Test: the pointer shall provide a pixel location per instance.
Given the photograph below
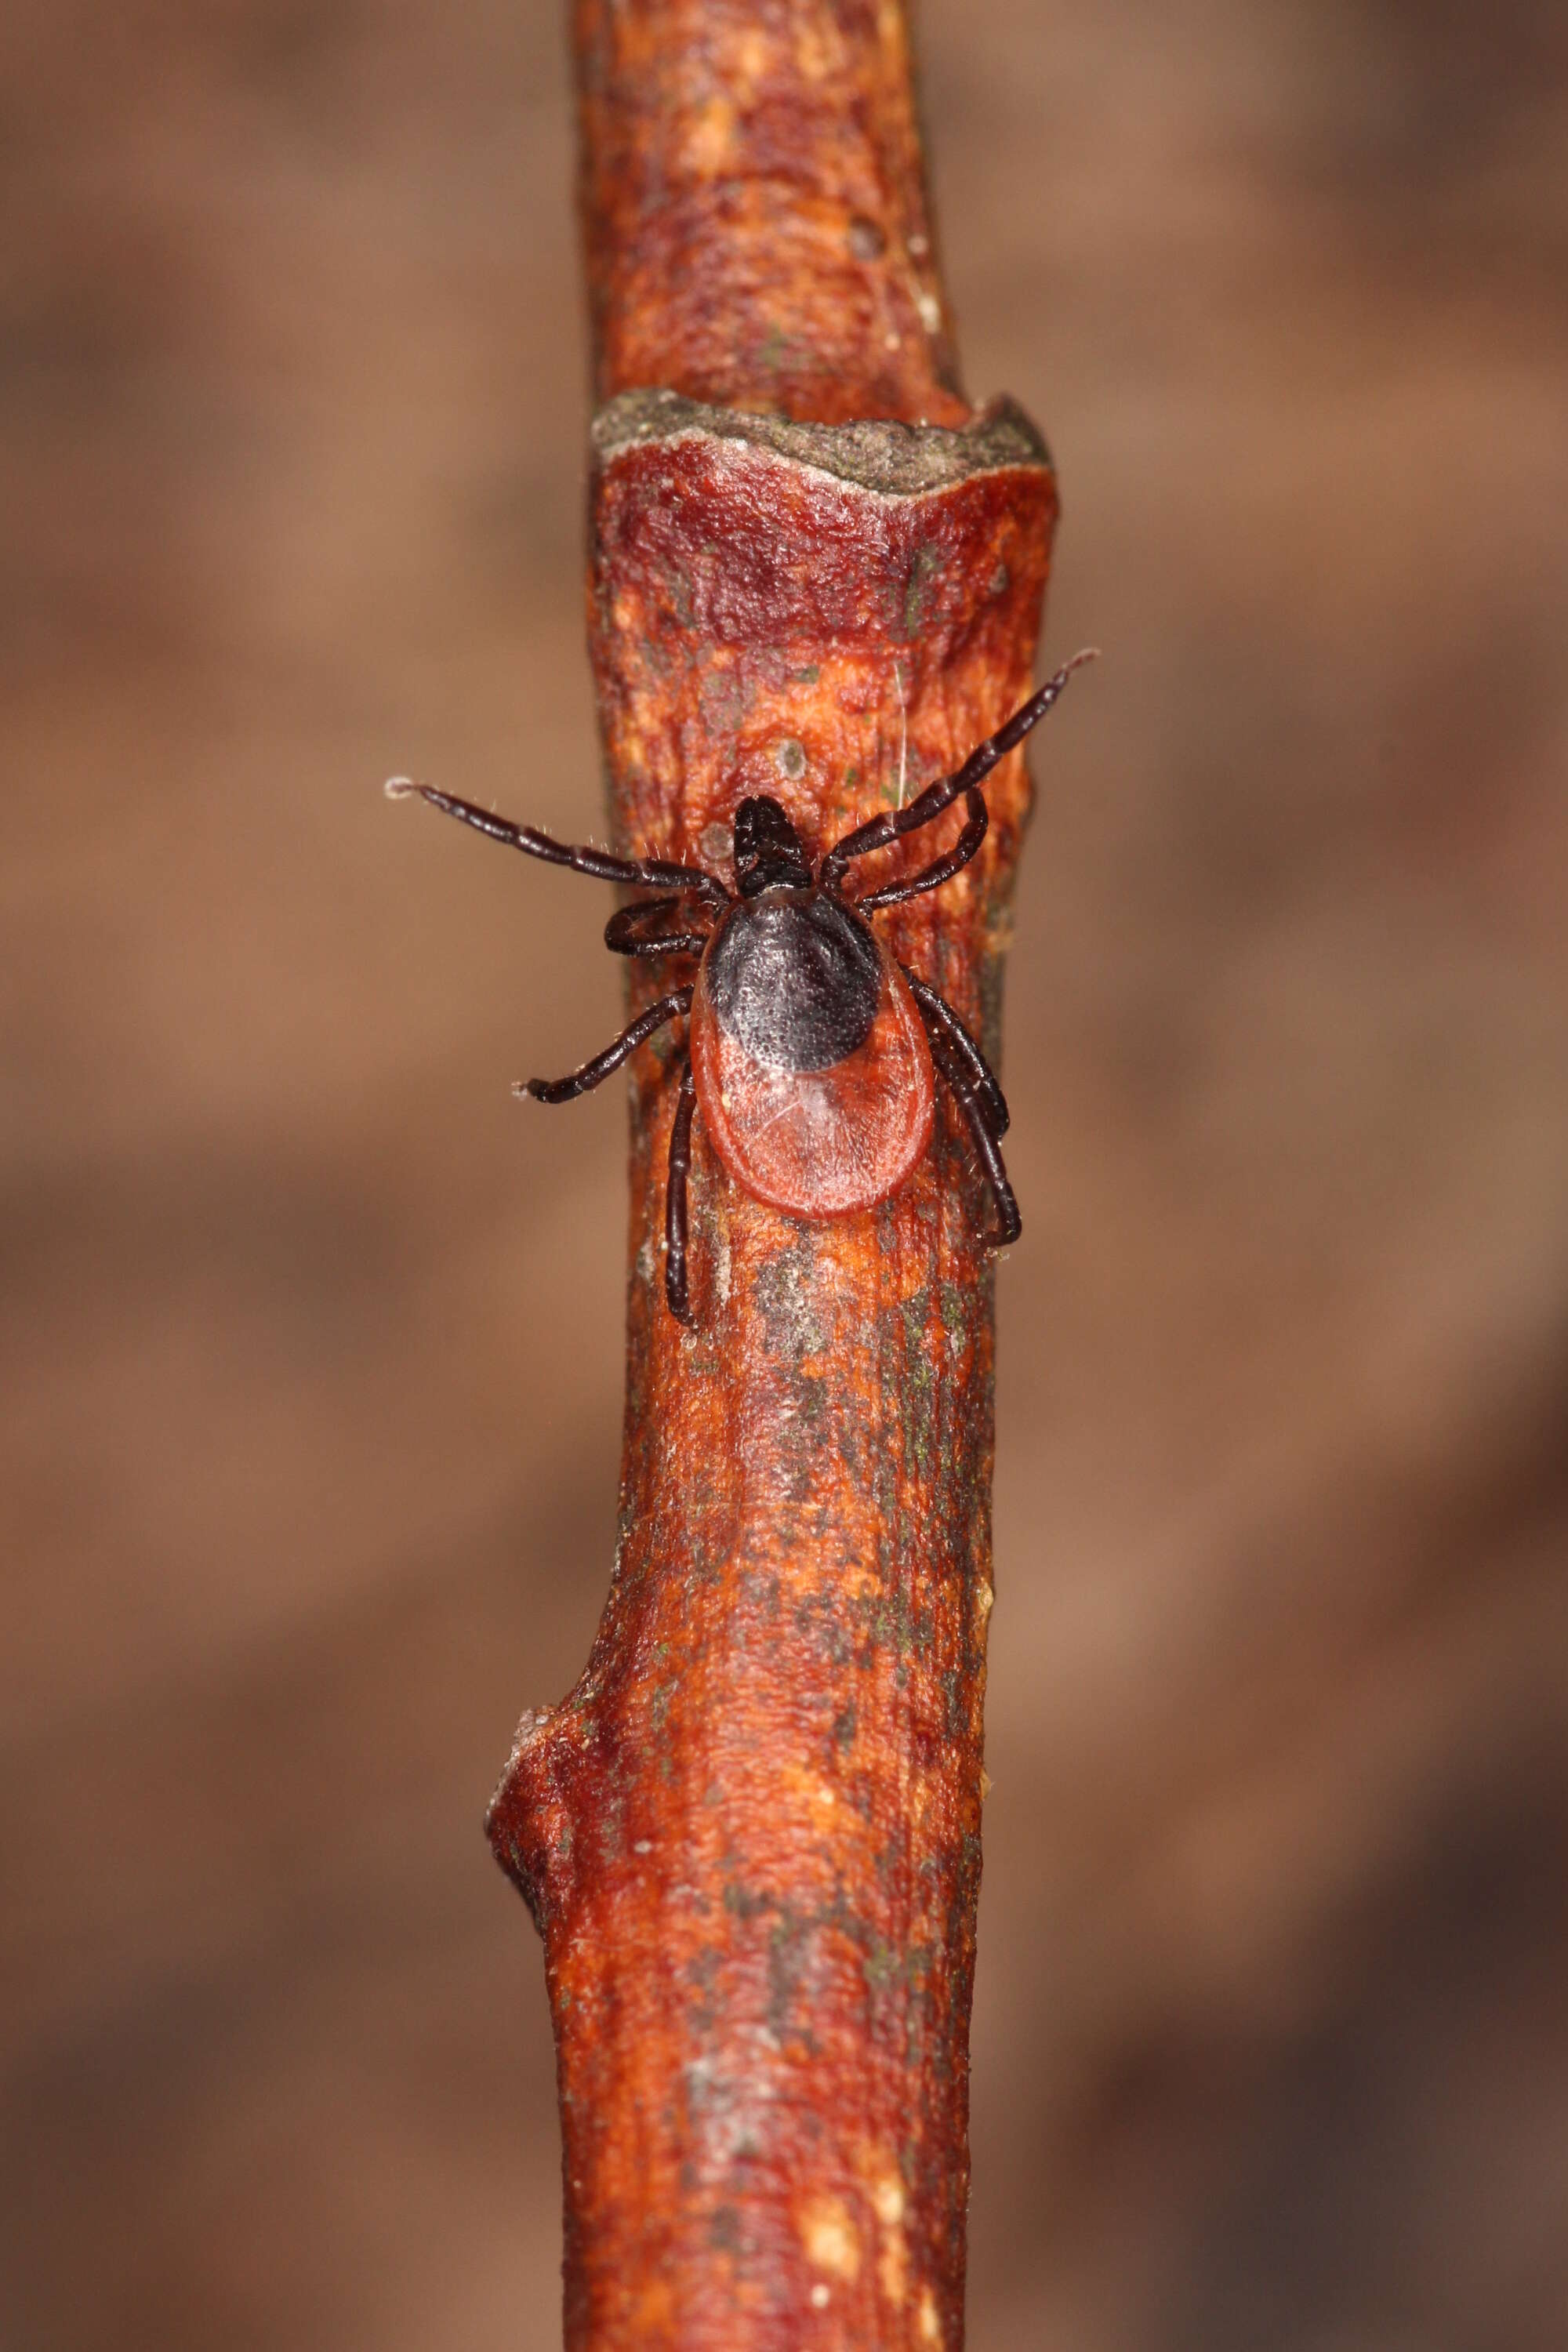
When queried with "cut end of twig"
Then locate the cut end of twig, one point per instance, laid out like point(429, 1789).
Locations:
point(881, 455)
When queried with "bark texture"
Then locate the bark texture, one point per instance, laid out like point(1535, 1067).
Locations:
point(754, 205)
point(751, 1836)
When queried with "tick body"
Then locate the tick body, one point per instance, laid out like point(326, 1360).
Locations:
point(811, 1054)
point(813, 1075)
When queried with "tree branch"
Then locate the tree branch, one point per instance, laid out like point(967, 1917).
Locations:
point(751, 1836)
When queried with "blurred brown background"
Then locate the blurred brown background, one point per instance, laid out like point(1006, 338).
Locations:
point(312, 1340)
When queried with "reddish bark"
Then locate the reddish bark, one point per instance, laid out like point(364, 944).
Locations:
point(755, 209)
point(751, 1836)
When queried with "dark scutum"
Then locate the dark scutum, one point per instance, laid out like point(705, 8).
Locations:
point(795, 979)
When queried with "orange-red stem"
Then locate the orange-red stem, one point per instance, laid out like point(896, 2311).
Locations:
point(751, 1835)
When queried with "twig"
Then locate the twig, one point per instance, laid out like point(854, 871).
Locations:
point(751, 1836)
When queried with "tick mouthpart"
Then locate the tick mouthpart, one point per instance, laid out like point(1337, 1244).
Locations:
point(769, 853)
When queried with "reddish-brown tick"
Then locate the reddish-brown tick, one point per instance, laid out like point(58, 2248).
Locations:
point(809, 1047)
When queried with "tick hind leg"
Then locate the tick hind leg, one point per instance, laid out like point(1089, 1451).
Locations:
point(594, 1073)
point(1009, 1224)
point(676, 1288)
point(936, 1010)
point(969, 1092)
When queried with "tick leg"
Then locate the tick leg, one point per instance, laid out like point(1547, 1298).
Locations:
point(971, 1103)
point(937, 1010)
point(675, 1286)
point(650, 872)
point(591, 1073)
point(630, 931)
point(881, 832)
point(941, 869)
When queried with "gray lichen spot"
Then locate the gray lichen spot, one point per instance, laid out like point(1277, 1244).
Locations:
point(885, 1965)
point(922, 571)
point(725, 2233)
point(787, 1956)
point(722, 696)
point(919, 1388)
point(782, 1291)
point(879, 1967)
point(707, 1565)
point(789, 758)
point(955, 1314)
point(746, 1902)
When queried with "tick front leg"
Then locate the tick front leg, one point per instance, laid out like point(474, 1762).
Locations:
point(941, 869)
point(675, 1231)
point(594, 1073)
point(880, 832)
point(641, 873)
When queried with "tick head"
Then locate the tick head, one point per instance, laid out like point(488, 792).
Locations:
point(768, 850)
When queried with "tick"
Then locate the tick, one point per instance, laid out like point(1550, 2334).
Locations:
point(810, 1049)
